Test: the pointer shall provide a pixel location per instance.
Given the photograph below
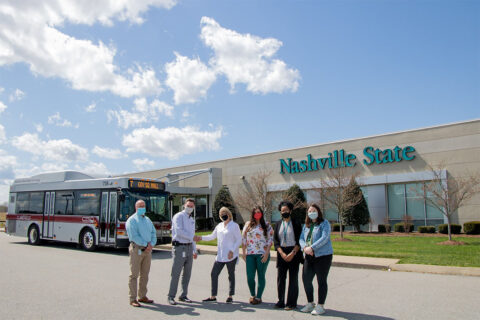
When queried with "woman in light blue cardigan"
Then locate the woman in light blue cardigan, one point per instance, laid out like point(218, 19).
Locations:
point(317, 247)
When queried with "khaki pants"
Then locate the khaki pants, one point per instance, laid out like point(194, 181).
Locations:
point(139, 267)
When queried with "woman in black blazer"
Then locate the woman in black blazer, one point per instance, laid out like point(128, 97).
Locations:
point(289, 256)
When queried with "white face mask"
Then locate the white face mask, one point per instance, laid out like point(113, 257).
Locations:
point(313, 215)
point(188, 210)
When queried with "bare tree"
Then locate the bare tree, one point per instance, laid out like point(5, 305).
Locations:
point(331, 189)
point(447, 194)
point(254, 192)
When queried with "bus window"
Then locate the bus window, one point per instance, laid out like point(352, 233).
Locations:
point(87, 203)
point(29, 202)
point(64, 202)
point(156, 205)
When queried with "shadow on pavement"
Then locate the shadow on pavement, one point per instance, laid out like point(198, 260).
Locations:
point(353, 315)
point(189, 309)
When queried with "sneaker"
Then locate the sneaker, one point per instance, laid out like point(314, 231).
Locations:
point(171, 301)
point(185, 299)
point(309, 307)
point(229, 300)
point(279, 305)
point(209, 299)
point(318, 310)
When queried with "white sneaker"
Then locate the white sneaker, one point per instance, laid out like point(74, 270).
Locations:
point(308, 307)
point(318, 310)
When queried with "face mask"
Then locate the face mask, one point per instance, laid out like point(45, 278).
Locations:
point(141, 211)
point(285, 215)
point(257, 215)
point(313, 215)
point(188, 210)
point(224, 217)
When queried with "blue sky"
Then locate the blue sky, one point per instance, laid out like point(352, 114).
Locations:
point(145, 84)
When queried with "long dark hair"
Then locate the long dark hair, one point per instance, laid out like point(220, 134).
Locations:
point(253, 222)
point(319, 218)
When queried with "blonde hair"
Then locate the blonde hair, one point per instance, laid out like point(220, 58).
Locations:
point(227, 211)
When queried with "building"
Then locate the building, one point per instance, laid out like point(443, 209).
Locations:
point(391, 168)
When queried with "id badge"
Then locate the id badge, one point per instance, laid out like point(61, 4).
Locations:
point(184, 254)
point(139, 252)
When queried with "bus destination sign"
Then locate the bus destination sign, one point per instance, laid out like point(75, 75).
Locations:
point(136, 184)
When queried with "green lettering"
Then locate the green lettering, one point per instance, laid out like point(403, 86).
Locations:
point(284, 165)
point(368, 152)
point(387, 156)
point(303, 166)
point(407, 150)
point(350, 157)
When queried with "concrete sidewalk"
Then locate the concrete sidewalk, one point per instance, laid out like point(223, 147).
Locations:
point(366, 263)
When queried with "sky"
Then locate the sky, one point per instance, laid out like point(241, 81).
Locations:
point(133, 85)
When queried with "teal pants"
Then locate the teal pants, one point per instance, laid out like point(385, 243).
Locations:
point(255, 265)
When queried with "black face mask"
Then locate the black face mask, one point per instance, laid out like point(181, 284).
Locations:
point(285, 215)
point(224, 217)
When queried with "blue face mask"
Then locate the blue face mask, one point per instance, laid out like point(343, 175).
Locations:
point(141, 211)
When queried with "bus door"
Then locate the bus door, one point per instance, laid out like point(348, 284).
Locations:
point(108, 216)
point(48, 219)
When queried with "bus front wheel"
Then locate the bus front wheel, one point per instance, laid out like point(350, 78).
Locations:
point(87, 240)
point(33, 235)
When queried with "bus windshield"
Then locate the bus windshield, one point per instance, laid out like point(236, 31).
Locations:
point(155, 203)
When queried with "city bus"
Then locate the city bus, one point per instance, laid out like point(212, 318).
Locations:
point(71, 206)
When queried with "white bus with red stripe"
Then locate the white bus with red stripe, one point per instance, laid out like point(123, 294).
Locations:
point(70, 206)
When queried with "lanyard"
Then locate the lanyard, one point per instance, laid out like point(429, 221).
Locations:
point(309, 237)
point(285, 229)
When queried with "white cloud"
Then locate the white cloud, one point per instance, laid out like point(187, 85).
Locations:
point(190, 79)
point(171, 142)
point(1, 90)
point(28, 34)
point(7, 165)
point(57, 120)
point(2, 107)
point(91, 108)
point(52, 150)
point(248, 59)
point(3, 136)
point(108, 153)
point(142, 112)
point(143, 164)
point(96, 169)
point(16, 95)
point(39, 127)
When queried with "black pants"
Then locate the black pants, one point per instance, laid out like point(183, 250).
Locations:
point(319, 266)
point(292, 268)
point(217, 268)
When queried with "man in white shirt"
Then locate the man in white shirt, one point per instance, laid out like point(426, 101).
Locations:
point(183, 251)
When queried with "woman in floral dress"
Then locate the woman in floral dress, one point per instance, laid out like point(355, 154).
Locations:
point(257, 239)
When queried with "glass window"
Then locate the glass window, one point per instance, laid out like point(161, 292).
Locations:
point(64, 202)
point(22, 202)
point(432, 211)
point(29, 202)
point(396, 201)
point(87, 203)
point(201, 206)
point(156, 205)
point(365, 193)
point(276, 199)
point(415, 201)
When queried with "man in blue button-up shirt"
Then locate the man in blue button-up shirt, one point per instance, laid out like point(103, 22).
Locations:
point(142, 235)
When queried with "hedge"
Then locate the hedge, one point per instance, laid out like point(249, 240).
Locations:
point(384, 228)
point(336, 227)
point(400, 227)
point(471, 227)
point(455, 228)
point(426, 229)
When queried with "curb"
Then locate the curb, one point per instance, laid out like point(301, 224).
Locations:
point(366, 263)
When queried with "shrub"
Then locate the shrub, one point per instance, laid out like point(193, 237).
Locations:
point(471, 227)
point(356, 212)
point(336, 227)
point(455, 228)
point(426, 229)
point(384, 228)
point(204, 223)
point(400, 227)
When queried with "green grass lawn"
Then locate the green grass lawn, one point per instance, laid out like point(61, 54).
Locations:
point(409, 249)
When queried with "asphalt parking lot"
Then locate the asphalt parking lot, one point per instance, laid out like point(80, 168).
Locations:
point(59, 281)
